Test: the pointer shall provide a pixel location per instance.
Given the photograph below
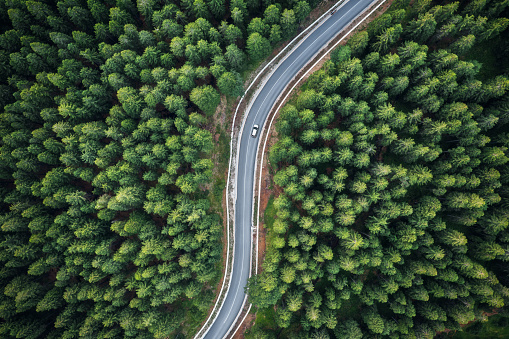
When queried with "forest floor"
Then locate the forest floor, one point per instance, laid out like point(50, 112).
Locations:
point(496, 326)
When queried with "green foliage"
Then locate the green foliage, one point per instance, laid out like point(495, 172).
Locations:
point(105, 159)
point(358, 42)
point(230, 83)
point(206, 98)
point(258, 47)
point(341, 54)
point(390, 219)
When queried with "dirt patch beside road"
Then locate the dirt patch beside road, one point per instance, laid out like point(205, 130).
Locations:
point(246, 324)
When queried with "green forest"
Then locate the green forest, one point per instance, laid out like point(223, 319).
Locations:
point(107, 230)
point(391, 182)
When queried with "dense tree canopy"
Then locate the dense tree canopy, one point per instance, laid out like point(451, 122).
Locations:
point(391, 168)
point(106, 230)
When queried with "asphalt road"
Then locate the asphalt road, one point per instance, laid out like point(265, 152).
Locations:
point(247, 155)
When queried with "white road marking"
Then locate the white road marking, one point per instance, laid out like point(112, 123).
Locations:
point(241, 228)
point(297, 58)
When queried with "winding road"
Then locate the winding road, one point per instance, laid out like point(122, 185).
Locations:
point(257, 115)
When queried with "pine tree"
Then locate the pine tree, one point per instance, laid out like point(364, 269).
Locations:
point(258, 47)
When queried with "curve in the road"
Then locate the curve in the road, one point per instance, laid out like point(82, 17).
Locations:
point(257, 115)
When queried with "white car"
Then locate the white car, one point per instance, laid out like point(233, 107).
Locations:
point(254, 132)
